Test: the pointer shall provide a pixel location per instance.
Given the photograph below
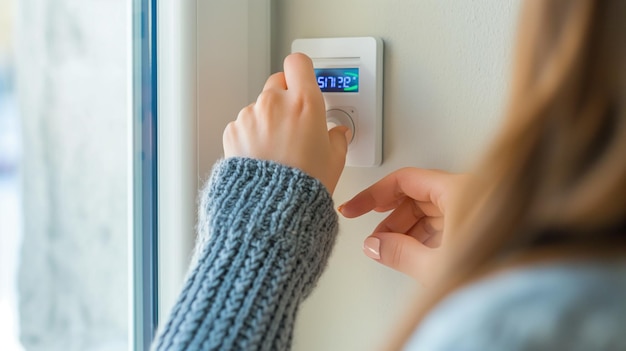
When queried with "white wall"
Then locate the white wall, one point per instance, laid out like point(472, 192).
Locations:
point(446, 74)
point(214, 57)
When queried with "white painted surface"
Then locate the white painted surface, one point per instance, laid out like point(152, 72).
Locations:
point(177, 151)
point(446, 74)
point(214, 57)
point(234, 61)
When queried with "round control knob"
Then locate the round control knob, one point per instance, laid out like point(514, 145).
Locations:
point(337, 117)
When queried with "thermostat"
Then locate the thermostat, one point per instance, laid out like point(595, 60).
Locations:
point(349, 72)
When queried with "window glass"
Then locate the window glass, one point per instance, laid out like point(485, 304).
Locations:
point(63, 175)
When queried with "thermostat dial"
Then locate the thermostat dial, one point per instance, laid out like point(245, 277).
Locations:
point(337, 117)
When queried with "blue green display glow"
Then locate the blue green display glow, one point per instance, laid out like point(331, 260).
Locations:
point(338, 80)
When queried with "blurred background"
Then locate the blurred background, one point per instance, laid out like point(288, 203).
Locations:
point(10, 206)
point(63, 175)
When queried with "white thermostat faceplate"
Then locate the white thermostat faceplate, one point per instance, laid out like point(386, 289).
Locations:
point(349, 72)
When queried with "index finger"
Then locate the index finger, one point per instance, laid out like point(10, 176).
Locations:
point(299, 73)
point(419, 184)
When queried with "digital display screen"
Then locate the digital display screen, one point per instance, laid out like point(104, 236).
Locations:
point(338, 80)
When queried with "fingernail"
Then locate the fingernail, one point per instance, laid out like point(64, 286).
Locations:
point(371, 248)
point(340, 208)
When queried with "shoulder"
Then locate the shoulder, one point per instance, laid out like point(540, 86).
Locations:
point(564, 306)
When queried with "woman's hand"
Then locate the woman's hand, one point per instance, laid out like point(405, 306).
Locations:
point(287, 124)
point(409, 239)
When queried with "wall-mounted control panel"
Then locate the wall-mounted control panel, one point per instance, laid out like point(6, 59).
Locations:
point(349, 72)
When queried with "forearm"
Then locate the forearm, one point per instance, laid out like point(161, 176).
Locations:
point(265, 234)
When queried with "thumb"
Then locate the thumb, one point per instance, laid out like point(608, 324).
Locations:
point(402, 253)
point(340, 137)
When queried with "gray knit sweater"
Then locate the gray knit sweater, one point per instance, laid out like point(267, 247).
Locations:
point(265, 234)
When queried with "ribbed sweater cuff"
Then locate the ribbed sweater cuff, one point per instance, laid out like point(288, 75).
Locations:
point(265, 234)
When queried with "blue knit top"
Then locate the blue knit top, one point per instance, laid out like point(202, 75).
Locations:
point(266, 232)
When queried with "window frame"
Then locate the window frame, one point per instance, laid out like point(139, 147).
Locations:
point(176, 136)
point(143, 279)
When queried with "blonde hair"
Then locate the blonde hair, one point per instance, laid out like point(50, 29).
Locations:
point(556, 174)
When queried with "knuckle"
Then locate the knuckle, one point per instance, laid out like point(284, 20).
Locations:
point(297, 103)
point(308, 99)
point(229, 131)
point(244, 114)
point(267, 99)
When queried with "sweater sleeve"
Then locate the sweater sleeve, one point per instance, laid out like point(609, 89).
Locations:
point(265, 233)
point(574, 306)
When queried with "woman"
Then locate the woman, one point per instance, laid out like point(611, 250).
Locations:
point(528, 253)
